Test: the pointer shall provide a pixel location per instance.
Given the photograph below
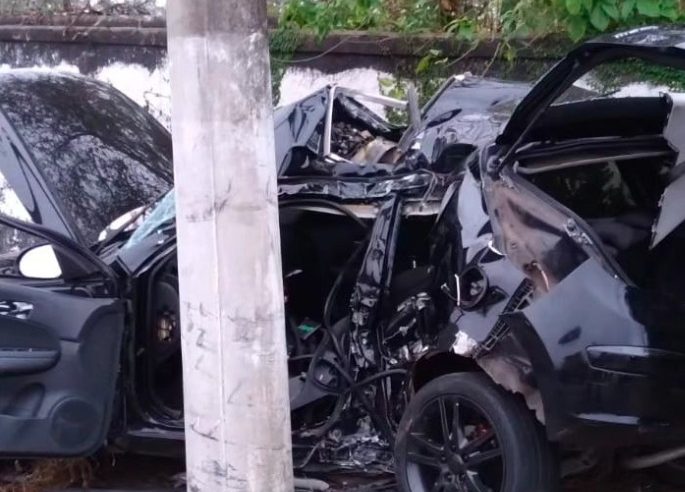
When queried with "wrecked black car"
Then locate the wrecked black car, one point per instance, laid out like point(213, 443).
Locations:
point(483, 299)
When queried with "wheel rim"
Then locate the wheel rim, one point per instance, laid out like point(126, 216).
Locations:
point(452, 447)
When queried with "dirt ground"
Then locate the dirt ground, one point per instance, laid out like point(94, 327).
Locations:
point(145, 473)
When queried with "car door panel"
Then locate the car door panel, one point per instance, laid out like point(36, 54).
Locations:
point(57, 377)
point(589, 309)
point(60, 347)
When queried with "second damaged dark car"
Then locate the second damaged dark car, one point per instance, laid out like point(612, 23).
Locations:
point(478, 307)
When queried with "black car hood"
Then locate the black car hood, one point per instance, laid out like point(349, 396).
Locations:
point(77, 152)
point(663, 45)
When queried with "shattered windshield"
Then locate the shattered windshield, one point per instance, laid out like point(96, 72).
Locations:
point(160, 215)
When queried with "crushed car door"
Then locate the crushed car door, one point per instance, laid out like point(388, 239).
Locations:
point(61, 327)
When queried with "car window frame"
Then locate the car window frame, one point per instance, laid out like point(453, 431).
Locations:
point(82, 256)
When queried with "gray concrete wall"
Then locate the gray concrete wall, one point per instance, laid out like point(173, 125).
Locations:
point(142, 73)
point(129, 51)
point(137, 7)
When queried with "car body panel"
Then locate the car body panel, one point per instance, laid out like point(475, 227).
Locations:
point(466, 113)
point(80, 140)
point(658, 44)
point(59, 354)
point(584, 333)
point(562, 297)
point(518, 284)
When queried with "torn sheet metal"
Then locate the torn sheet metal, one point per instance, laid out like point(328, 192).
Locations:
point(375, 274)
point(468, 111)
point(303, 132)
point(299, 131)
point(474, 220)
point(332, 133)
point(415, 184)
point(671, 210)
point(537, 238)
point(672, 207)
point(509, 366)
point(479, 323)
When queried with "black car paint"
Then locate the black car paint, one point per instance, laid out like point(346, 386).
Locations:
point(374, 275)
point(466, 114)
point(60, 353)
point(656, 44)
point(79, 153)
point(61, 348)
point(389, 188)
point(599, 350)
point(586, 355)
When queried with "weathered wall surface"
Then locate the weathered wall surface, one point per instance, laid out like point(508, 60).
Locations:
point(142, 73)
point(128, 50)
point(132, 7)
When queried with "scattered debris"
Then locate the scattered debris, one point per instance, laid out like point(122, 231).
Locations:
point(46, 474)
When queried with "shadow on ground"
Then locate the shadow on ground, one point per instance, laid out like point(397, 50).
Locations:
point(117, 472)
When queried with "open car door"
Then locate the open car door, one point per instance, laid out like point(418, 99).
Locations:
point(61, 326)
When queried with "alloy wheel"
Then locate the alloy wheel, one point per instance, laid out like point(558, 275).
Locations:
point(452, 447)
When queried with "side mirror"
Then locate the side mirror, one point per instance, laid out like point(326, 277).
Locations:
point(39, 262)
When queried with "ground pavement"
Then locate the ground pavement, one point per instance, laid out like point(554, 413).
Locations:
point(128, 473)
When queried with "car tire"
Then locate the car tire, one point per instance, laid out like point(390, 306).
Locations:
point(493, 444)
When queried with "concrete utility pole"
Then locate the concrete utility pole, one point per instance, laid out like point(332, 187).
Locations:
point(237, 416)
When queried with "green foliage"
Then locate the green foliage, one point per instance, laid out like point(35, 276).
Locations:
point(463, 28)
point(474, 20)
point(324, 16)
point(413, 16)
point(515, 18)
point(427, 79)
point(586, 17)
point(397, 88)
point(583, 18)
point(282, 46)
point(429, 62)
